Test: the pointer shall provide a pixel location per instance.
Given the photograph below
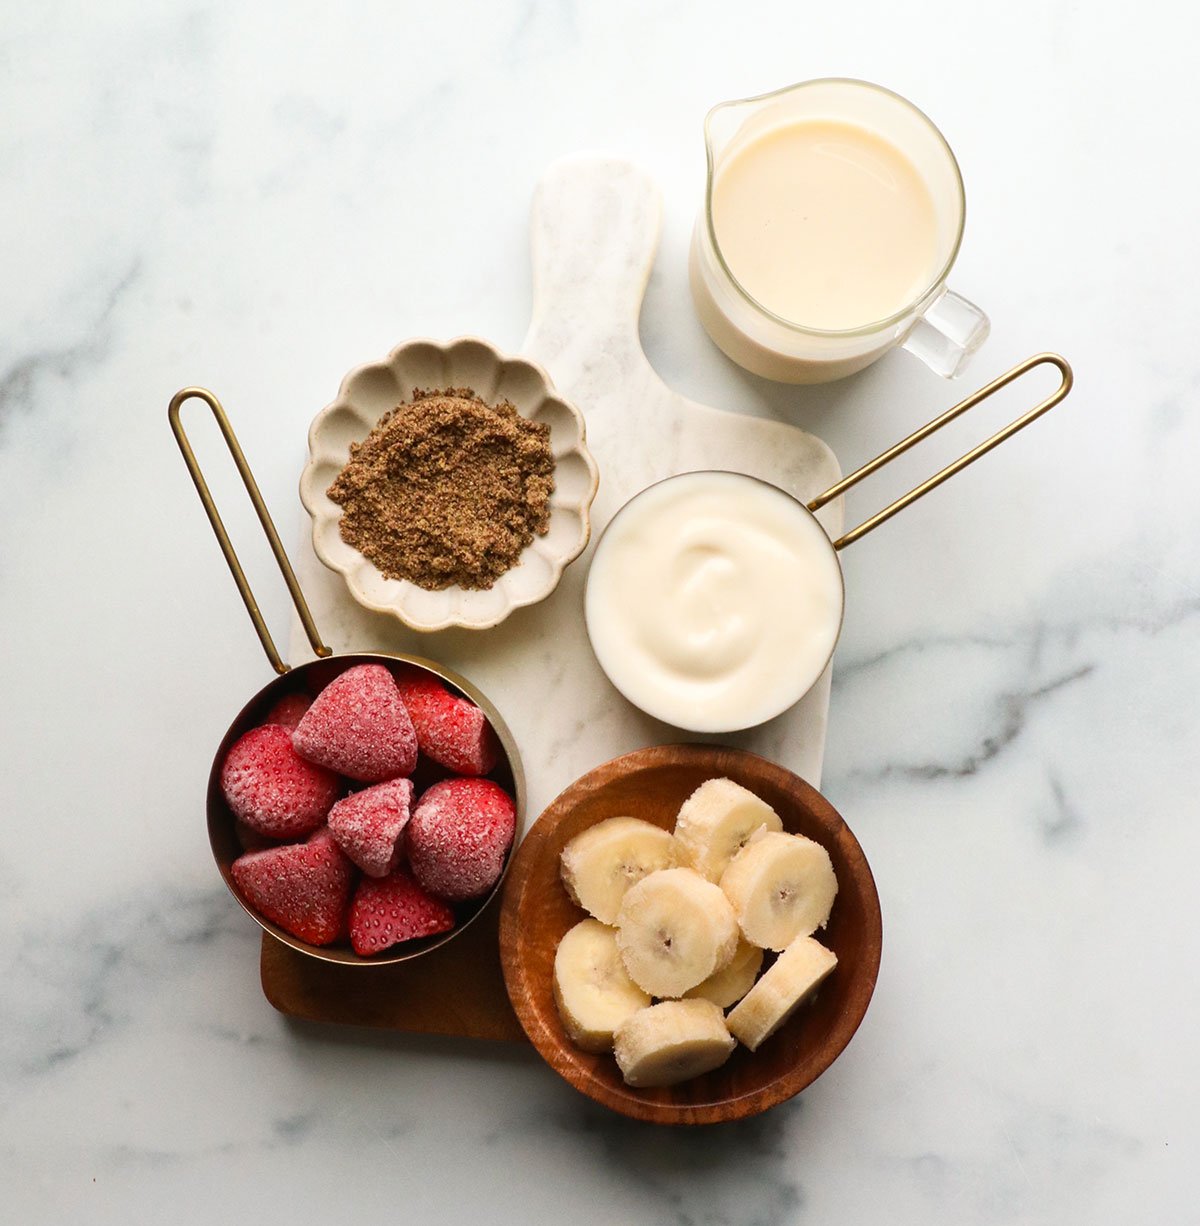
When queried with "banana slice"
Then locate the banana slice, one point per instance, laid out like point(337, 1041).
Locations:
point(672, 1041)
point(715, 822)
point(728, 986)
point(782, 886)
point(777, 995)
point(600, 864)
point(674, 930)
point(593, 993)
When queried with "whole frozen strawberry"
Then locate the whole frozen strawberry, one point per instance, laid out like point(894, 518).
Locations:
point(274, 790)
point(458, 837)
point(392, 909)
point(289, 710)
point(302, 887)
point(359, 726)
point(368, 825)
point(450, 729)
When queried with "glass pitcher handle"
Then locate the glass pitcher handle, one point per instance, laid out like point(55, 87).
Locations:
point(947, 334)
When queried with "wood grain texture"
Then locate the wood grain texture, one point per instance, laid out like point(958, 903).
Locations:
point(536, 912)
point(455, 990)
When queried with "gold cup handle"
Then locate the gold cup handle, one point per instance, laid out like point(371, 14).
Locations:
point(1044, 406)
point(264, 518)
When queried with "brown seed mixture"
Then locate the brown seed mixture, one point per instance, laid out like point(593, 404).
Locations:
point(447, 489)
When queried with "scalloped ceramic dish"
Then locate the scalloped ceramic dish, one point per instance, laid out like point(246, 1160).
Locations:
point(366, 394)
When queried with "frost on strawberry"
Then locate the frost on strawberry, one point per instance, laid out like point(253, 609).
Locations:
point(302, 887)
point(393, 909)
point(369, 824)
point(359, 726)
point(272, 789)
point(458, 837)
point(451, 730)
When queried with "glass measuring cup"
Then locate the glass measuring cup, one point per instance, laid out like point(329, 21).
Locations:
point(938, 326)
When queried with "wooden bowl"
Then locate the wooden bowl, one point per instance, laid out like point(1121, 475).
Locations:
point(536, 912)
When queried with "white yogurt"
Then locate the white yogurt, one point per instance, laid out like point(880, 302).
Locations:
point(713, 601)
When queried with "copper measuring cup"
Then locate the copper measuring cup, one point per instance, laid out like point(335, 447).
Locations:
point(309, 679)
point(640, 691)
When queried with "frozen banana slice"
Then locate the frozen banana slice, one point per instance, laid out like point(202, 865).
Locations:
point(715, 822)
point(674, 930)
point(600, 864)
point(780, 991)
point(729, 985)
point(672, 1041)
point(592, 990)
point(782, 886)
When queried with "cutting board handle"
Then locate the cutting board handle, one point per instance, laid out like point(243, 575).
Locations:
point(594, 232)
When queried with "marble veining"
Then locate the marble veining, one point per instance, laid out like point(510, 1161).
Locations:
point(594, 232)
point(19, 382)
point(69, 1006)
point(257, 198)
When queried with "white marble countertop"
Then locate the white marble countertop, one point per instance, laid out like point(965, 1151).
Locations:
point(258, 198)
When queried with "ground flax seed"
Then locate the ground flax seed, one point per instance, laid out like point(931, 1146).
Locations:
point(447, 489)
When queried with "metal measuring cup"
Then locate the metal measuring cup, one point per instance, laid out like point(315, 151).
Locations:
point(636, 687)
point(311, 678)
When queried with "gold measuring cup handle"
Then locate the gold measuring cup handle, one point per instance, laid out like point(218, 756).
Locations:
point(859, 474)
point(264, 518)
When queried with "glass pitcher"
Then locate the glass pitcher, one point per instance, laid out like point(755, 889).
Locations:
point(940, 327)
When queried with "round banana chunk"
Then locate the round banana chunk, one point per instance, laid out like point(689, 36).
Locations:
point(674, 930)
point(729, 985)
point(780, 991)
point(782, 886)
point(599, 865)
point(592, 990)
point(715, 822)
point(672, 1041)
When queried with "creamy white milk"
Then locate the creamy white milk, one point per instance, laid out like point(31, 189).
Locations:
point(713, 601)
point(826, 224)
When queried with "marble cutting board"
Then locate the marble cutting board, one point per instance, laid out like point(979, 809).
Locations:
point(594, 232)
point(595, 225)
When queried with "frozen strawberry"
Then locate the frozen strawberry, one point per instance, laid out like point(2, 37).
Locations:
point(450, 730)
point(393, 909)
point(289, 710)
point(274, 790)
point(458, 837)
point(358, 725)
point(302, 887)
point(368, 825)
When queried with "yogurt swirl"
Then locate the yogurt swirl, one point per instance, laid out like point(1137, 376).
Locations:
point(714, 601)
